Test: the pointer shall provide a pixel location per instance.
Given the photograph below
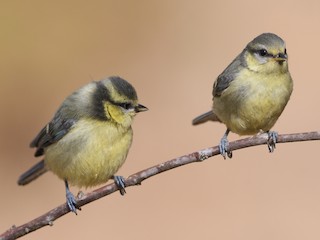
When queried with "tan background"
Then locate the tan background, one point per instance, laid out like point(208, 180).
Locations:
point(171, 51)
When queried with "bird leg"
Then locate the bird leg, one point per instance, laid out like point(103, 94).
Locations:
point(119, 181)
point(272, 140)
point(71, 200)
point(224, 146)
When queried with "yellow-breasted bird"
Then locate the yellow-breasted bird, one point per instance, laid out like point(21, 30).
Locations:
point(89, 137)
point(251, 93)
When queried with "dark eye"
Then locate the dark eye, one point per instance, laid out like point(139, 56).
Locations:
point(285, 51)
point(125, 105)
point(263, 52)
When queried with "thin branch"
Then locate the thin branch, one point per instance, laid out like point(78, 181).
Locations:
point(135, 179)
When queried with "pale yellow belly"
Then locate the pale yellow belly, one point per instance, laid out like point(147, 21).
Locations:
point(87, 155)
point(247, 107)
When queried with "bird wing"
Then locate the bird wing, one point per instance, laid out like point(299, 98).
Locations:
point(222, 83)
point(51, 133)
point(228, 75)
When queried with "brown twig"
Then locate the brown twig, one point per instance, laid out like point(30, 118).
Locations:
point(135, 179)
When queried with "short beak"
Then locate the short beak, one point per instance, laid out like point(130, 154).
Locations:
point(140, 108)
point(281, 57)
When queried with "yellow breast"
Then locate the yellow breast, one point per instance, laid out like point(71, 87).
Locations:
point(90, 153)
point(253, 102)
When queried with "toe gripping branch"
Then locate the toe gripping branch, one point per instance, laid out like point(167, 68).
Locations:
point(119, 181)
point(272, 140)
point(224, 146)
point(71, 200)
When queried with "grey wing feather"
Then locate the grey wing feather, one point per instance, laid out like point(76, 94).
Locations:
point(51, 133)
point(222, 83)
point(228, 75)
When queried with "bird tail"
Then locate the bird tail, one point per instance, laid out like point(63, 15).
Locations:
point(208, 116)
point(33, 173)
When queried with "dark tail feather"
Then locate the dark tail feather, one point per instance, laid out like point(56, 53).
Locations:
point(33, 173)
point(208, 116)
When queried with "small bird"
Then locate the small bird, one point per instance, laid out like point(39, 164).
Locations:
point(251, 93)
point(89, 137)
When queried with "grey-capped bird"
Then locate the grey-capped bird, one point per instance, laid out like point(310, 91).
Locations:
point(251, 93)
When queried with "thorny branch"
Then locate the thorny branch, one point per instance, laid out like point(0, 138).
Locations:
point(136, 178)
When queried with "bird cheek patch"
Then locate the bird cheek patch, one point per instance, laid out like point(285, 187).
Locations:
point(114, 112)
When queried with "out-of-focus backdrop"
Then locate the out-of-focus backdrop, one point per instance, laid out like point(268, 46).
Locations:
point(171, 51)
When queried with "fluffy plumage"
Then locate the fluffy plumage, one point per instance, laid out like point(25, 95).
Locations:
point(251, 93)
point(89, 137)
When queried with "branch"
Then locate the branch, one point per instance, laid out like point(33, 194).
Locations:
point(136, 179)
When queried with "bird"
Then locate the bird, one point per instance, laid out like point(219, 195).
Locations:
point(89, 137)
point(252, 92)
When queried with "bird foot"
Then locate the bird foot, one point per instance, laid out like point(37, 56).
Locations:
point(119, 181)
point(224, 148)
point(272, 140)
point(72, 202)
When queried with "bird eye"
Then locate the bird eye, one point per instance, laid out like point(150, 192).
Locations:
point(125, 105)
point(263, 52)
point(285, 51)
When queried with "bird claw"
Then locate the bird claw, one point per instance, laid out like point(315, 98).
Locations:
point(119, 181)
point(272, 140)
point(71, 202)
point(224, 148)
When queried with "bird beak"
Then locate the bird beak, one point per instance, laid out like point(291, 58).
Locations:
point(140, 108)
point(281, 57)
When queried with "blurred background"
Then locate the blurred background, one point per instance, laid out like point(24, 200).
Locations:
point(171, 51)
